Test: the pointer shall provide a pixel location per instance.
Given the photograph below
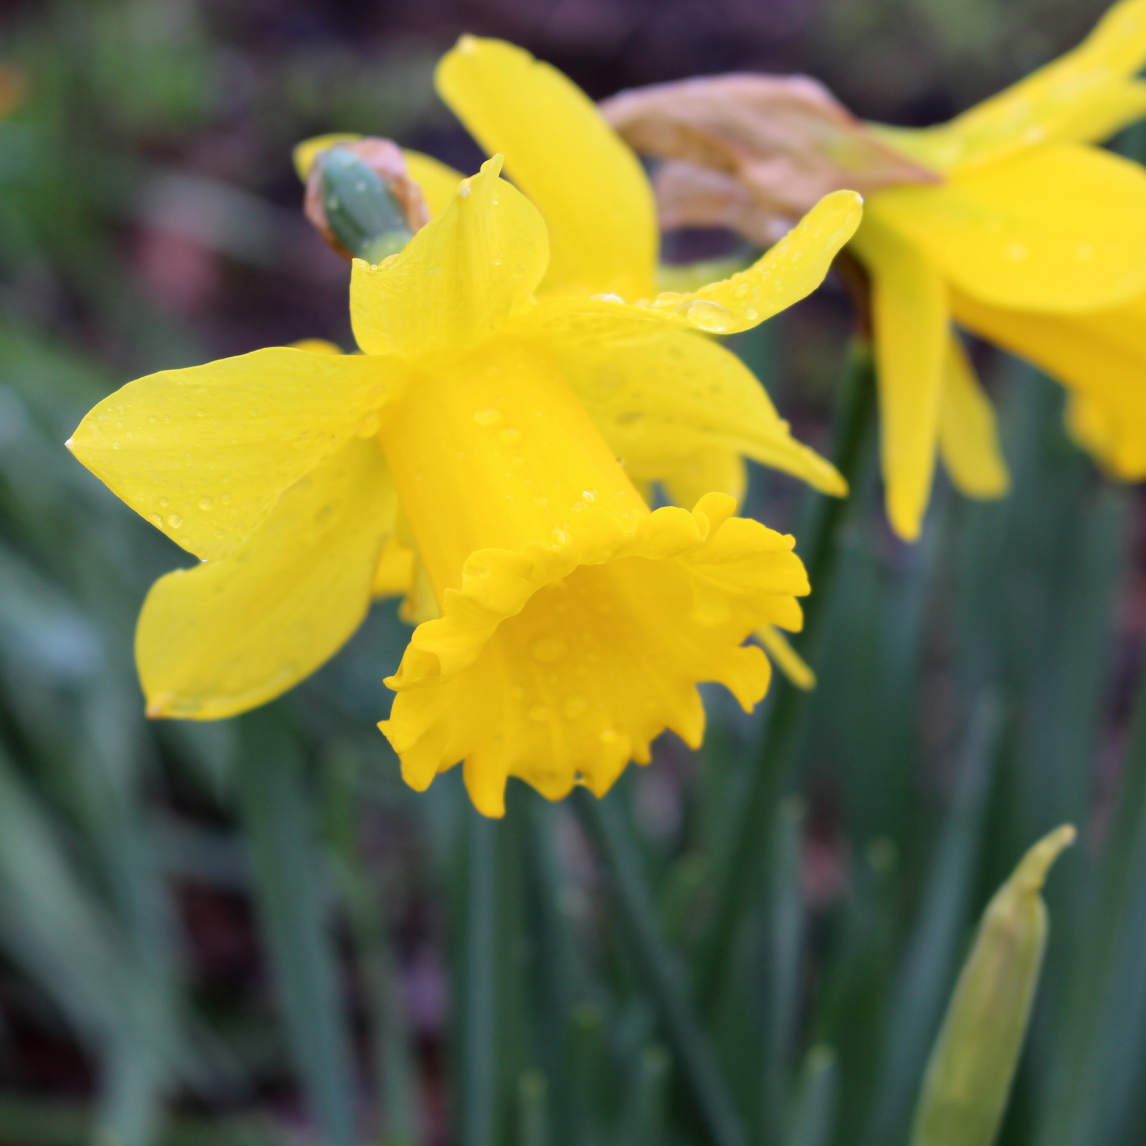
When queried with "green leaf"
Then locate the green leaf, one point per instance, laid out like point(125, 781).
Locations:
point(286, 858)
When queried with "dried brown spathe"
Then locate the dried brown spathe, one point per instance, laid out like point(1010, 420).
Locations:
point(385, 159)
point(753, 152)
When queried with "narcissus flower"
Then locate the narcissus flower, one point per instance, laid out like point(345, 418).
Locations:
point(1034, 241)
point(480, 424)
point(1006, 223)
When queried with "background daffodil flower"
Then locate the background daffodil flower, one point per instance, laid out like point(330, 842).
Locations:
point(1002, 220)
point(1034, 241)
point(574, 622)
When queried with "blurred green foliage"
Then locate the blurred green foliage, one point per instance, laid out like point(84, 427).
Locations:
point(251, 931)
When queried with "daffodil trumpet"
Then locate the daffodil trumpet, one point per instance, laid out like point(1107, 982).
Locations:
point(478, 430)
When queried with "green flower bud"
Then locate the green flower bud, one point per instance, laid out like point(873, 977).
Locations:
point(973, 1061)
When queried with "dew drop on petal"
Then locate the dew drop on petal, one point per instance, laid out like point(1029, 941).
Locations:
point(368, 427)
point(609, 736)
point(516, 691)
point(174, 520)
point(205, 503)
point(706, 315)
point(539, 713)
point(156, 520)
point(164, 502)
point(751, 313)
point(490, 416)
point(226, 499)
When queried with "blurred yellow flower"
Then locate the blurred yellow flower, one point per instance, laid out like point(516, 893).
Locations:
point(1032, 240)
point(574, 623)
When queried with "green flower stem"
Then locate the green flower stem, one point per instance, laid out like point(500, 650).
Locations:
point(604, 822)
point(817, 544)
point(479, 1076)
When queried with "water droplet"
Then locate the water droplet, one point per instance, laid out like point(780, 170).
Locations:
point(574, 706)
point(1016, 252)
point(751, 313)
point(156, 520)
point(153, 419)
point(119, 425)
point(115, 445)
point(609, 736)
point(164, 502)
point(174, 520)
point(487, 417)
point(539, 713)
point(226, 499)
point(464, 189)
point(541, 501)
point(167, 419)
point(205, 503)
point(741, 290)
point(706, 315)
point(548, 649)
point(516, 691)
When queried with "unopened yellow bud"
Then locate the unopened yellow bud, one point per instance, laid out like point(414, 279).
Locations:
point(973, 1061)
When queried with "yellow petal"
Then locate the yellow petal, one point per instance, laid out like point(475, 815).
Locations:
point(1058, 228)
point(437, 181)
point(395, 569)
point(308, 151)
point(909, 310)
point(788, 272)
point(559, 150)
point(231, 634)
point(204, 453)
point(574, 624)
point(1094, 428)
point(671, 395)
point(1080, 97)
point(1100, 356)
point(788, 661)
point(458, 279)
point(968, 436)
point(712, 470)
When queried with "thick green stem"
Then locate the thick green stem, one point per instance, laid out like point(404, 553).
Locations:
point(817, 543)
point(604, 822)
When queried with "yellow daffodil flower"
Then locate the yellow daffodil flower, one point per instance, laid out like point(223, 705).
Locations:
point(601, 217)
point(480, 424)
point(1032, 240)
